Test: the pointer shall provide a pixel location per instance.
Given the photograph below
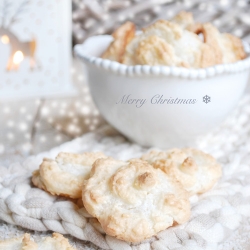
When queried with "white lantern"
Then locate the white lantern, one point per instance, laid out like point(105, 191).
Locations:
point(35, 48)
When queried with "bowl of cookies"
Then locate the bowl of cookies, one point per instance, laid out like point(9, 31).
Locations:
point(168, 84)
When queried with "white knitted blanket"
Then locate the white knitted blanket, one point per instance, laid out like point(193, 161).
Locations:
point(220, 218)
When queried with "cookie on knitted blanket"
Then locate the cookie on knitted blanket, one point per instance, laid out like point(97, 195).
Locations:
point(65, 175)
point(57, 242)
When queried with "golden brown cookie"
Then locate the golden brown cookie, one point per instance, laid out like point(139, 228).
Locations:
point(14, 243)
point(175, 43)
point(122, 36)
point(194, 169)
point(226, 48)
point(153, 50)
point(65, 175)
point(22, 243)
point(133, 200)
point(165, 43)
point(57, 242)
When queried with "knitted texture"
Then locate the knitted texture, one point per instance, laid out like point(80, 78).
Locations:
point(220, 218)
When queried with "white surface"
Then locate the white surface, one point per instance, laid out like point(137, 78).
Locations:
point(162, 125)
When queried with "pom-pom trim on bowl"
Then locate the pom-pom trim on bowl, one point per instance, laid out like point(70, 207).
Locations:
point(146, 70)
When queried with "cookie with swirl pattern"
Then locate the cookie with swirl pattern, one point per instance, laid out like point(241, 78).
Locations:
point(194, 169)
point(133, 200)
point(64, 176)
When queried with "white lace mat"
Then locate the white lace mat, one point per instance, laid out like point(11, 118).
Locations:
point(220, 218)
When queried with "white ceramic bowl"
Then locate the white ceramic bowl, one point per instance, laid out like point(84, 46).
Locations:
point(116, 88)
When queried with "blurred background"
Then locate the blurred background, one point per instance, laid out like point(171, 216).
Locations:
point(44, 96)
point(91, 17)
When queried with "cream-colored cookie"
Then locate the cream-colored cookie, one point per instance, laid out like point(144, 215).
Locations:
point(133, 200)
point(175, 43)
point(58, 242)
point(16, 243)
point(167, 43)
point(122, 36)
point(153, 50)
point(194, 169)
point(65, 175)
point(161, 33)
point(225, 48)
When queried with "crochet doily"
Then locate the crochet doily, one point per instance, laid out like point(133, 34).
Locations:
point(220, 218)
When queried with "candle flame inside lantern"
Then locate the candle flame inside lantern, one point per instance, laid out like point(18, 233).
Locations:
point(18, 57)
point(5, 39)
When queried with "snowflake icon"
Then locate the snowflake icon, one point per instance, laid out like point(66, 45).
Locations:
point(206, 99)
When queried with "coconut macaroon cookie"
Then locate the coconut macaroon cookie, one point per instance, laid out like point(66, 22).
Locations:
point(57, 242)
point(122, 36)
point(132, 200)
point(65, 175)
point(194, 169)
point(181, 42)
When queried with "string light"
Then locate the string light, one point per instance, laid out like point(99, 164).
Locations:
point(23, 110)
point(62, 112)
point(5, 39)
point(58, 138)
point(2, 148)
point(38, 102)
point(45, 111)
point(29, 117)
point(27, 135)
point(18, 57)
point(23, 126)
point(50, 120)
point(6, 110)
point(10, 123)
point(85, 110)
point(10, 136)
point(54, 104)
point(43, 138)
point(37, 124)
point(80, 78)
